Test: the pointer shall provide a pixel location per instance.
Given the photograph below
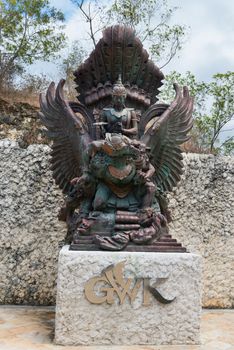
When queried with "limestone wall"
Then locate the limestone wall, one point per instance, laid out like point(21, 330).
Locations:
point(202, 208)
point(203, 219)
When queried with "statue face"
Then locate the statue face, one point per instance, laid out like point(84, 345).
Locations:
point(116, 141)
point(119, 101)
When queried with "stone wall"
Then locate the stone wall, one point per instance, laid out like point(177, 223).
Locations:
point(203, 219)
point(19, 122)
point(202, 209)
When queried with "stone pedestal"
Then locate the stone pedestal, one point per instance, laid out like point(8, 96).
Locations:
point(128, 298)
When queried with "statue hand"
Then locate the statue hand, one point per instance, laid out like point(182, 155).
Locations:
point(143, 176)
point(81, 180)
point(140, 178)
point(75, 180)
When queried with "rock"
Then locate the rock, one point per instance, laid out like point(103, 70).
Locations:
point(20, 122)
point(177, 322)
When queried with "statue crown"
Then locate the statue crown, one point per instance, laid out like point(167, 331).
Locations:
point(119, 88)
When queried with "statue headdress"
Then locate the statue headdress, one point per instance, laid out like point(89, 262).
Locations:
point(118, 52)
point(119, 89)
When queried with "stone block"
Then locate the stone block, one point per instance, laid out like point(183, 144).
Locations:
point(128, 298)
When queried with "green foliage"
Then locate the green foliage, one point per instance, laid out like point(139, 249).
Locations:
point(75, 56)
point(132, 12)
point(197, 89)
point(29, 30)
point(228, 146)
point(33, 84)
point(150, 19)
point(213, 107)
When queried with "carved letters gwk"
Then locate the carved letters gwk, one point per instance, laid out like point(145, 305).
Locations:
point(112, 285)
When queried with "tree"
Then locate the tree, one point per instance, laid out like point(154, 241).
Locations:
point(150, 18)
point(33, 84)
point(197, 89)
point(228, 146)
point(29, 31)
point(75, 56)
point(222, 109)
point(214, 108)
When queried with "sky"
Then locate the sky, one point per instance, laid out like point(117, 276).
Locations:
point(208, 48)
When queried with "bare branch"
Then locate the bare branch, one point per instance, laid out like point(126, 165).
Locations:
point(227, 130)
point(153, 29)
point(89, 19)
point(172, 52)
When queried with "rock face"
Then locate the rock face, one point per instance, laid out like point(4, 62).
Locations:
point(30, 233)
point(19, 122)
point(30, 230)
point(203, 219)
point(119, 321)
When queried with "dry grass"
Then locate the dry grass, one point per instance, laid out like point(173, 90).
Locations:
point(16, 96)
point(192, 146)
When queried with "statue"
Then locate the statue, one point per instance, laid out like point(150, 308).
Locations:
point(120, 119)
point(116, 152)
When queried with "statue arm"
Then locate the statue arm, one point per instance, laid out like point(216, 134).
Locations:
point(90, 151)
point(134, 129)
point(103, 117)
point(93, 148)
point(150, 172)
point(103, 127)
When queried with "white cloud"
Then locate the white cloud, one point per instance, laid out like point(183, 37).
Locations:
point(210, 47)
point(208, 50)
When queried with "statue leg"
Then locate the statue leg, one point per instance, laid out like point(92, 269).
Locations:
point(85, 207)
point(149, 194)
point(116, 242)
point(101, 197)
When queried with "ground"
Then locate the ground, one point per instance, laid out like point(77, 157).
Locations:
point(31, 328)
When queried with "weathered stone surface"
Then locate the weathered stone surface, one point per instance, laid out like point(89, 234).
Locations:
point(29, 228)
point(19, 122)
point(203, 220)
point(30, 233)
point(80, 322)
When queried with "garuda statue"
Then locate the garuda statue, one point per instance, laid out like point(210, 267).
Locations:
point(116, 151)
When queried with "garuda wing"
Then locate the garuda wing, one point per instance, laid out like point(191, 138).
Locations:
point(71, 133)
point(164, 134)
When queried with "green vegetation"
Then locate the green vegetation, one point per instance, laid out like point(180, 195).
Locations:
point(75, 56)
point(150, 18)
point(214, 108)
point(32, 30)
point(29, 30)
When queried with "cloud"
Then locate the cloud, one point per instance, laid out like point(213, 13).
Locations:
point(210, 47)
point(77, 28)
point(66, 6)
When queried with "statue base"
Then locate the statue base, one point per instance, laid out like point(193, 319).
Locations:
point(128, 298)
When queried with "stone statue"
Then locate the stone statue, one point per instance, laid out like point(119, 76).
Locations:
point(120, 119)
point(116, 152)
